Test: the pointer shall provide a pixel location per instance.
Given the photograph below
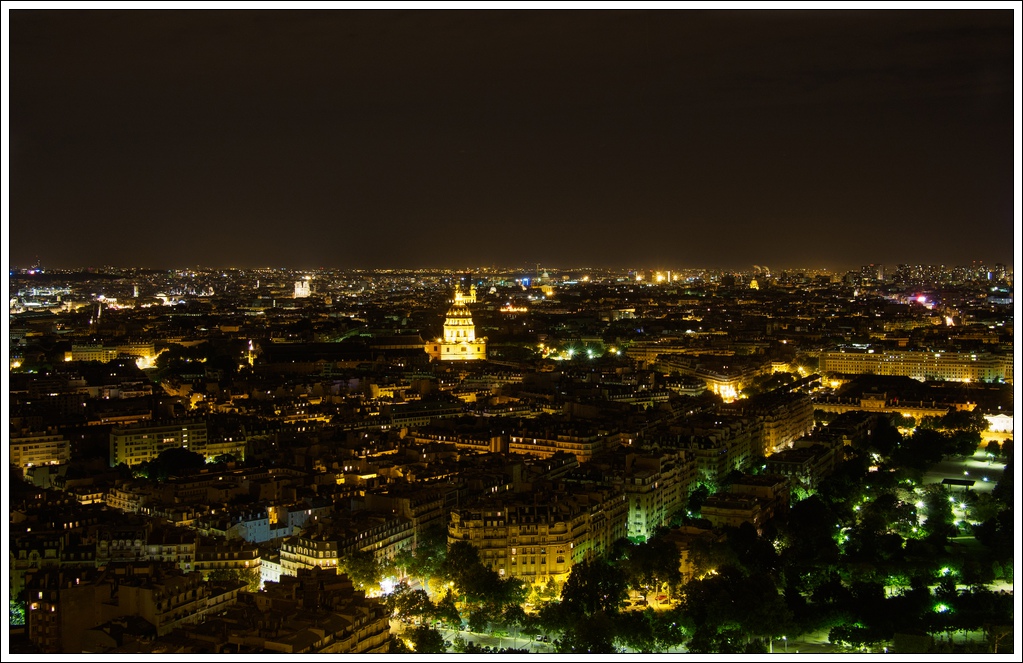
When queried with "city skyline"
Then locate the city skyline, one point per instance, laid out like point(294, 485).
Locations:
point(415, 139)
point(641, 272)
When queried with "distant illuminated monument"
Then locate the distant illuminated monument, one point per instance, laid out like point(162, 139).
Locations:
point(302, 288)
point(459, 342)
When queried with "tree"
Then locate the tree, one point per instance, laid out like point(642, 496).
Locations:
point(887, 512)
point(425, 640)
point(997, 534)
point(636, 631)
point(938, 510)
point(855, 636)
point(754, 553)
point(767, 616)
point(250, 577)
point(361, 566)
point(461, 558)
point(729, 609)
point(648, 631)
point(811, 528)
point(426, 559)
point(514, 615)
point(593, 634)
point(923, 448)
point(176, 461)
point(461, 646)
point(902, 421)
point(652, 564)
point(592, 587)
point(17, 612)
point(409, 604)
point(1003, 490)
point(966, 442)
point(447, 611)
point(966, 420)
point(821, 417)
point(757, 464)
point(709, 555)
point(697, 498)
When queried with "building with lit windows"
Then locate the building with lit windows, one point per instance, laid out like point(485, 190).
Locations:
point(137, 444)
point(538, 537)
point(459, 342)
point(584, 446)
point(657, 485)
point(783, 418)
point(327, 546)
point(232, 555)
point(41, 449)
point(749, 499)
point(144, 353)
point(308, 552)
point(726, 375)
point(63, 604)
point(721, 443)
point(316, 612)
point(952, 366)
point(143, 442)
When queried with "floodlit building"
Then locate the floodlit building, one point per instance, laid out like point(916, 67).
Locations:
point(952, 366)
point(459, 342)
point(144, 353)
point(538, 538)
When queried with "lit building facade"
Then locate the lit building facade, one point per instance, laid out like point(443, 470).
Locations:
point(144, 353)
point(952, 366)
point(539, 539)
point(657, 487)
point(35, 450)
point(459, 342)
point(133, 445)
point(381, 535)
point(233, 555)
point(140, 443)
point(583, 447)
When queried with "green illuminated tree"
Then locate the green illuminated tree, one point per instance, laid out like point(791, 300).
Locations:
point(447, 611)
point(17, 612)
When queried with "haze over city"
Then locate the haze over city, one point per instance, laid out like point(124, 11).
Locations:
point(716, 139)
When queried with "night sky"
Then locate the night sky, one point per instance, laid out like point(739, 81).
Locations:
point(438, 138)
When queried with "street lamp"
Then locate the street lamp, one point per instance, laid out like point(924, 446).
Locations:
point(786, 640)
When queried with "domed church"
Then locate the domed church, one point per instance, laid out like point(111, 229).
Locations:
point(459, 342)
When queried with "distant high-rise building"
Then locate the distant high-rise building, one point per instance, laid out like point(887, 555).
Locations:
point(870, 274)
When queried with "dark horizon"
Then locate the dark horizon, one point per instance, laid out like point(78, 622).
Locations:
point(48, 270)
point(371, 139)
